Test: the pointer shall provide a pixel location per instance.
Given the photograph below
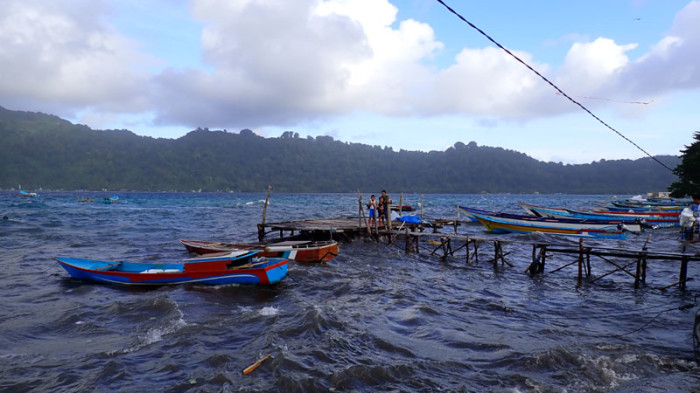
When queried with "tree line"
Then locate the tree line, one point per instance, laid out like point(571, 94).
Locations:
point(40, 150)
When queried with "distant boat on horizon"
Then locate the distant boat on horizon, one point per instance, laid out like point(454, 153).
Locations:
point(27, 193)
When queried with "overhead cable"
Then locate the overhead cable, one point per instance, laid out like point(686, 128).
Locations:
point(560, 91)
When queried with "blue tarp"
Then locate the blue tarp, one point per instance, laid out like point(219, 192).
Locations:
point(410, 219)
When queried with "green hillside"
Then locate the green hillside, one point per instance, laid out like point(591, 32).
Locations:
point(40, 150)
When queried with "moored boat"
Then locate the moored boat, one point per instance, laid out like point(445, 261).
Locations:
point(542, 211)
point(647, 218)
point(112, 199)
point(300, 251)
point(239, 267)
point(404, 208)
point(658, 219)
point(515, 223)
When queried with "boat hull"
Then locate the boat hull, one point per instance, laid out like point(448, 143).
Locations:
point(300, 251)
point(513, 223)
point(657, 219)
point(238, 269)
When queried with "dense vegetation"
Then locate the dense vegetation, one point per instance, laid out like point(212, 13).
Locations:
point(39, 150)
point(688, 171)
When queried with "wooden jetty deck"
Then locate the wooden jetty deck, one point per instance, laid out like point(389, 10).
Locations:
point(448, 245)
point(344, 228)
point(427, 237)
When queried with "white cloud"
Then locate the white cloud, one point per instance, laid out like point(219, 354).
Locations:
point(488, 82)
point(673, 63)
point(589, 66)
point(57, 56)
point(281, 63)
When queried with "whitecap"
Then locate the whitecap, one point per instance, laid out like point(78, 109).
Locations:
point(268, 311)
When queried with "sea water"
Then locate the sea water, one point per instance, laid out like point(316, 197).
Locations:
point(372, 319)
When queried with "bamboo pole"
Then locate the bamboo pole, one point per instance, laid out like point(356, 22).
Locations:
point(361, 213)
point(261, 227)
point(255, 365)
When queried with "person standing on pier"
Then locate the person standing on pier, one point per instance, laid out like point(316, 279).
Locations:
point(689, 217)
point(372, 206)
point(695, 207)
point(386, 204)
point(380, 210)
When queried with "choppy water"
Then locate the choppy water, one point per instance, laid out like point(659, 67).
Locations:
point(373, 319)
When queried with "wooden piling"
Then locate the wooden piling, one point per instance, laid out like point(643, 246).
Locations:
point(684, 272)
point(580, 259)
point(261, 228)
point(361, 213)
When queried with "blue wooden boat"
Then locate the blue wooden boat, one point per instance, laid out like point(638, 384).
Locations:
point(28, 194)
point(240, 267)
point(112, 199)
point(515, 223)
point(647, 219)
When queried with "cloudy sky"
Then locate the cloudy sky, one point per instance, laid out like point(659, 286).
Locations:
point(402, 73)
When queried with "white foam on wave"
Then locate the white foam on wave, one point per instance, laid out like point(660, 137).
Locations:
point(269, 311)
point(608, 371)
point(156, 334)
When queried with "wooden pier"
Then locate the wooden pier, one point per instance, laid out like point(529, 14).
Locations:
point(427, 236)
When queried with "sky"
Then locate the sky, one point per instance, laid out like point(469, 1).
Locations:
point(407, 74)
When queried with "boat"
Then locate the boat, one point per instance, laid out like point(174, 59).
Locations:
point(112, 199)
point(657, 219)
point(28, 194)
point(300, 251)
point(542, 211)
point(403, 208)
point(239, 267)
point(515, 223)
point(647, 218)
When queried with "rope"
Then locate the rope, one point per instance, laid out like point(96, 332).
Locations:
point(681, 308)
point(560, 91)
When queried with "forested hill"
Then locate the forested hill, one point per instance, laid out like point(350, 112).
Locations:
point(38, 150)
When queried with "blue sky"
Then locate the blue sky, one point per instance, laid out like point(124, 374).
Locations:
point(406, 74)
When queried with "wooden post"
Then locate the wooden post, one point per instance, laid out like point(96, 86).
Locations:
point(588, 262)
point(544, 256)
point(408, 242)
point(496, 251)
point(644, 260)
point(421, 205)
point(387, 216)
point(361, 214)
point(466, 246)
point(580, 260)
point(261, 227)
point(684, 273)
point(401, 204)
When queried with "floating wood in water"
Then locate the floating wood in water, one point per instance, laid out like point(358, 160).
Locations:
point(255, 365)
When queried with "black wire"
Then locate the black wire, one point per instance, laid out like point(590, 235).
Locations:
point(552, 84)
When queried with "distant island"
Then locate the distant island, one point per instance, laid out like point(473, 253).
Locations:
point(45, 151)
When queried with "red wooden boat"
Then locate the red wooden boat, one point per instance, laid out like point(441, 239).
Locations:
point(300, 251)
point(238, 267)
